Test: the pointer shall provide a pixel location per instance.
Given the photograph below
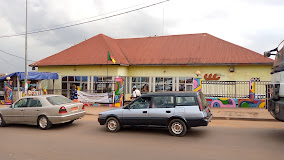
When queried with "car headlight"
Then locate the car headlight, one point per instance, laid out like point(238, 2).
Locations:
point(100, 115)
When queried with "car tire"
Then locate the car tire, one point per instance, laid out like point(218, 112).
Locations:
point(177, 128)
point(44, 123)
point(112, 124)
point(70, 122)
point(2, 121)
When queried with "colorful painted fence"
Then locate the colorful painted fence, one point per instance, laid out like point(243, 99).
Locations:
point(251, 102)
point(234, 102)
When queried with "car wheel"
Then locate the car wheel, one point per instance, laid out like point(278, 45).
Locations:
point(70, 122)
point(112, 124)
point(2, 121)
point(177, 127)
point(44, 123)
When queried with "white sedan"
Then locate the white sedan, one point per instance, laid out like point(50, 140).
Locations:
point(43, 110)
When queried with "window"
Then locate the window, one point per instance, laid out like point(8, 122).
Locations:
point(102, 84)
point(163, 102)
point(164, 84)
point(34, 102)
point(141, 103)
point(21, 103)
point(186, 101)
point(57, 100)
point(141, 83)
point(185, 83)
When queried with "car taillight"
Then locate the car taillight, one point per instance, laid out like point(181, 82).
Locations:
point(62, 110)
point(200, 104)
point(83, 107)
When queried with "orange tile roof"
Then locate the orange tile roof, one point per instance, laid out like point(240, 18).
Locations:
point(189, 49)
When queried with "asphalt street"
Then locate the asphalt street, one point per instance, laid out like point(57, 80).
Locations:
point(86, 139)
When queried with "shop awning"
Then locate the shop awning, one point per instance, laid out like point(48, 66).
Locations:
point(32, 75)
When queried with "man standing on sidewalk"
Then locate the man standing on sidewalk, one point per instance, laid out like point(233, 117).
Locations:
point(136, 93)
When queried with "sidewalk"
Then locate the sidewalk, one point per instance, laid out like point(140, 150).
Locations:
point(251, 114)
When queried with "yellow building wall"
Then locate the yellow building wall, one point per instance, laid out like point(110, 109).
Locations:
point(241, 73)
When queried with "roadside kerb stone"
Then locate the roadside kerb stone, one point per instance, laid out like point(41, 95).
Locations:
point(246, 114)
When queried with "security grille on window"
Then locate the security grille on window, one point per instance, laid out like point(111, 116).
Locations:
point(141, 83)
point(102, 84)
point(164, 84)
point(68, 81)
point(185, 83)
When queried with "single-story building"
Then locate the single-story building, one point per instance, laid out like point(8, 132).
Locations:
point(160, 63)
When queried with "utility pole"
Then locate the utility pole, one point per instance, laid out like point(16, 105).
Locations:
point(26, 51)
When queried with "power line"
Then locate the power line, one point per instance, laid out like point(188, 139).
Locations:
point(87, 18)
point(13, 65)
point(76, 24)
point(15, 55)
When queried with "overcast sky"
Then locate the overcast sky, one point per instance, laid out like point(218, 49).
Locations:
point(254, 24)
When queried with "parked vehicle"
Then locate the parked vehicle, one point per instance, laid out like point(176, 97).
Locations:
point(276, 100)
point(44, 111)
point(178, 111)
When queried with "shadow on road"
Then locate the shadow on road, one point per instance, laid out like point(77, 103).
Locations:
point(54, 126)
point(193, 132)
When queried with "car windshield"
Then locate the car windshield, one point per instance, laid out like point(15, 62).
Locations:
point(57, 100)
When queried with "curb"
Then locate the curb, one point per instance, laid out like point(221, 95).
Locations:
point(225, 118)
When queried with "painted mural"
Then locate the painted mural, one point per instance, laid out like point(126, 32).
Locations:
point(119, 86)
point(251, 102)
point(197, 84)
point(222, 102)
point(8, 92)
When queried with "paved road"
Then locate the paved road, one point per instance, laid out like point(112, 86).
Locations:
point(86, 139)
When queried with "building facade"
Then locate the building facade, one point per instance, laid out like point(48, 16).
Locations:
point(167, 63)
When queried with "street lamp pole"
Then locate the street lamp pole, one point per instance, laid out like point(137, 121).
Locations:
point(26, 51)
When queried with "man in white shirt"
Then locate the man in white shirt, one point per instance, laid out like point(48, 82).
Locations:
point(136, 93)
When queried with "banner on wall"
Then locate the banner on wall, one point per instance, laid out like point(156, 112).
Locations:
point(85, 97)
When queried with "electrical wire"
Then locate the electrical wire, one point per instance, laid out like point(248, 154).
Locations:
point(76, 24)
point(13, 65)
point(86, 18)
point(15, 55)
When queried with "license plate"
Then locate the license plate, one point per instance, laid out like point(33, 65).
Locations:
point(74, 108)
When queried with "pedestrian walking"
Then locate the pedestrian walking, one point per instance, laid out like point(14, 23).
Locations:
point(74, 94)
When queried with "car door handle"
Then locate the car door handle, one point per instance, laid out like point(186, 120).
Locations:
point(144, 111)
point(22, 110)
point(168, 111)
point(37, 110)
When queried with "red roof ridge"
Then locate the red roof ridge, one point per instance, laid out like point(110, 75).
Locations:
point(183, 49)
point(202, 34)
point(113, 52)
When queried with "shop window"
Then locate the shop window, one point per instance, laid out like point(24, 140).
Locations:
point(70, 78)
point(185, 83)
point(164, 84)
point(64, 78)
point(102, 84)
point(141, 83)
